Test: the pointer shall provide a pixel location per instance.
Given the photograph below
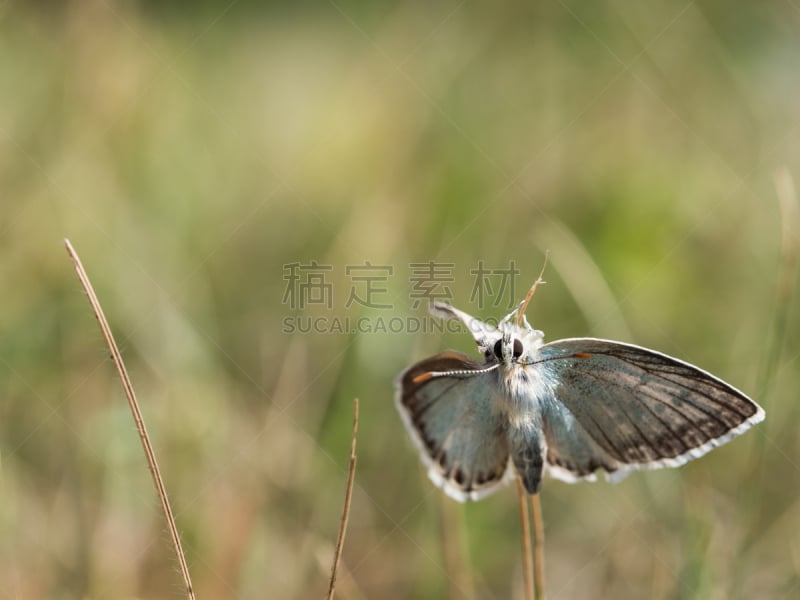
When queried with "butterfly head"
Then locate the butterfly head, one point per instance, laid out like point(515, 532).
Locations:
point(517, 340)
point(514, 344)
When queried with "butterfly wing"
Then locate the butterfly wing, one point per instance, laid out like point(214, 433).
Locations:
point(450, 418)
point(484, 334)
point(621, 407)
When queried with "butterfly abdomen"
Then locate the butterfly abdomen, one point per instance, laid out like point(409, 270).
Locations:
point(527, 453)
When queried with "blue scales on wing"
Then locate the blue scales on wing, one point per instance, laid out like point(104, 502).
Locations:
point(621, 407)
point(447, 407)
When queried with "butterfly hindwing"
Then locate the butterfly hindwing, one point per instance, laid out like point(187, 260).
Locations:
point(618, 407)
point(572, 454)
point(450, 418)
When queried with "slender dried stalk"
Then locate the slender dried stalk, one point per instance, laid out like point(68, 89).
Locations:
point(538, 547)
point(348, 494)
point(531, 292)
point(533, 561)
point(137, 416)
point(527, 553)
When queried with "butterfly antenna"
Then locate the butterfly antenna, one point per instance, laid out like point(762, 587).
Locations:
point(521, 310)
point(423, 377)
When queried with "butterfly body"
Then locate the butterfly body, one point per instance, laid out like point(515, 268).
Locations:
point(567, 408)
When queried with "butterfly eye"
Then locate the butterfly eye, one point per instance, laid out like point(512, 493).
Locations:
point(517, 348)
point(498, 349)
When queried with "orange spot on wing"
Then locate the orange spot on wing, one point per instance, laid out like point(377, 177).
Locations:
point(582, 355)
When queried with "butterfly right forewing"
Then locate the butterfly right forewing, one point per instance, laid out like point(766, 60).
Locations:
point(620, 407)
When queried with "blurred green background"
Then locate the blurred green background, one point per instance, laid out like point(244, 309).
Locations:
point(193, 152)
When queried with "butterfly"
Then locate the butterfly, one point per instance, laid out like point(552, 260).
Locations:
point(567, 408)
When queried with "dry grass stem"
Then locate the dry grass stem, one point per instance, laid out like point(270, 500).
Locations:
point(532, 291)
point(533, 562)
point(525, 526)
point(137, 416)
point(538, 547)
point(351, 471)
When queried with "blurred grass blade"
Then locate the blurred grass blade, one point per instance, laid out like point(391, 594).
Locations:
point(787, 270)
point(348, 494)
point(455, 548)
point(137, 415)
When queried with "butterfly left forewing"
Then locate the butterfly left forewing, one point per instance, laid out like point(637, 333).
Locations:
point(483, 333)
point(449, 416)
point(618, 407)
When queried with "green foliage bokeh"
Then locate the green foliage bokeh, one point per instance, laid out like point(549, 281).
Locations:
point(192, 152)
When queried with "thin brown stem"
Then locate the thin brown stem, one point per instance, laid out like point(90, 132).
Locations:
point(137, 416)
point(531, 292)
point(538, 547)
point(348, 494)
point(527, 553)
